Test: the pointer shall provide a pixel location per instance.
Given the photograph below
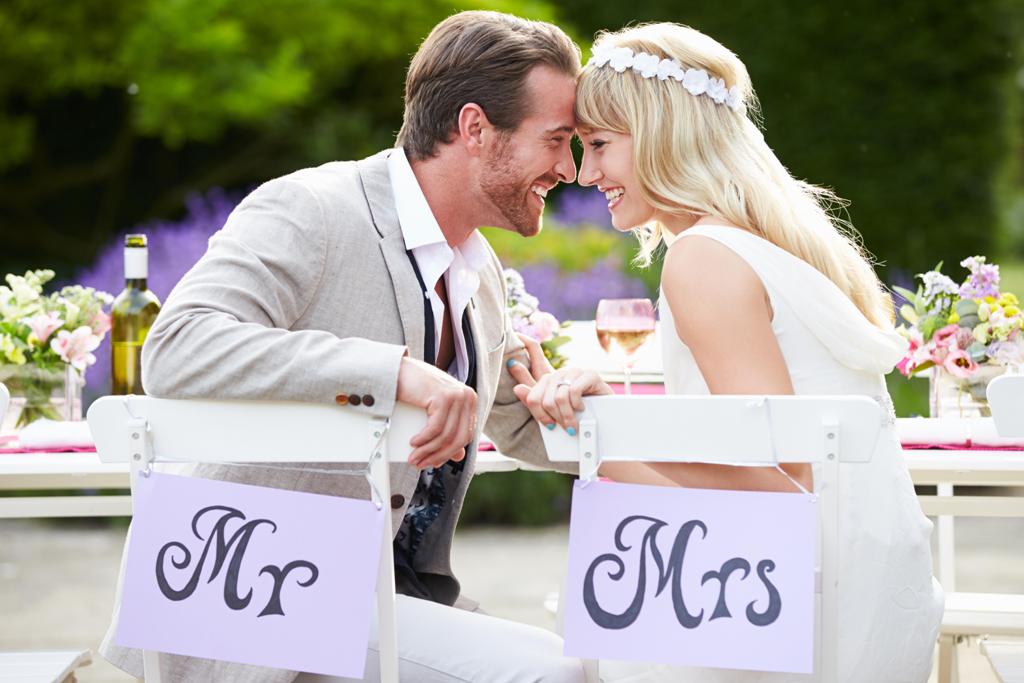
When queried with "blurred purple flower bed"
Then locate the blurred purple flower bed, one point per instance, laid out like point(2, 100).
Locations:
point(582, 206)
point(574, 296)
point(174, 247)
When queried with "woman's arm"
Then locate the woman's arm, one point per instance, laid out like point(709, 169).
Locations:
point(724, 316)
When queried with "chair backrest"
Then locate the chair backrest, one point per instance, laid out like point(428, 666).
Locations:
point(5, 399)
point(140, 430)
point(1006, 399)
point(738, 429)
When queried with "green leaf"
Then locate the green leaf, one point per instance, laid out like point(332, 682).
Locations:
point(930, 324)
point(966, 307)
point(977, 352)
point(555, 342)
point(909, 314)
point(907, 294)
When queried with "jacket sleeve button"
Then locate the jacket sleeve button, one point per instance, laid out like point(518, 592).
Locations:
point(397, 501)
point(368, 400)
point(341, 399)
point(354, 400)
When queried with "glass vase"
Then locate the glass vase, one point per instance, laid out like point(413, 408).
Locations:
point(54, 394)
point(952, 396)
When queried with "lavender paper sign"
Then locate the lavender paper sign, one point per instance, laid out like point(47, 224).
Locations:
point(693, 577)
point(250, 574)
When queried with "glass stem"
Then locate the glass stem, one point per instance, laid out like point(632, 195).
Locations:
point(627, 384)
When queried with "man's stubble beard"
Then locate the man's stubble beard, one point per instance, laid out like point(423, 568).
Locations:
point(500, 185)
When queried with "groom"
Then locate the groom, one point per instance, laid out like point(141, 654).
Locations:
point(365, 283)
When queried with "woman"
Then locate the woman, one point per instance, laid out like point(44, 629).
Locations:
point(763, 292)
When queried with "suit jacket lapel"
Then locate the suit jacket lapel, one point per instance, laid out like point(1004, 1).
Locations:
point(373, 172)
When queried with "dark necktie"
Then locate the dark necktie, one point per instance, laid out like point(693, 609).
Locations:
point(429, 498)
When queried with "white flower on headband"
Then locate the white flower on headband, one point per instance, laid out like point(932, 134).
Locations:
point(668, 67)
point(696, 81)
point(621, 59)
point(734, 99)
point(646, 65)
point(717, 90)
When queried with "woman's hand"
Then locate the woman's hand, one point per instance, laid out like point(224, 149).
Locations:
point(554, 396)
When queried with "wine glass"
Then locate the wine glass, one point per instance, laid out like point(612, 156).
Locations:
point(623, 325)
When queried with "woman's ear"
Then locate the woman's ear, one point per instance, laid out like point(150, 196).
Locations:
point(473, 124)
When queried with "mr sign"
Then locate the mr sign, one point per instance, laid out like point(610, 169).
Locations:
point(693, 577)
point(250, 574)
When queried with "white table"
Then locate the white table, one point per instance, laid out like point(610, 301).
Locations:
point(83, 472)
point(946, 469)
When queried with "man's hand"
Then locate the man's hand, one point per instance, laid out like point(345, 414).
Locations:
point(553, 396)
point(451, 413)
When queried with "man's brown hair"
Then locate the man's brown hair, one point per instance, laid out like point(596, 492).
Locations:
point(483, 58)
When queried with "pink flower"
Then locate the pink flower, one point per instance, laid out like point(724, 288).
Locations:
point(544, 325)
point(76, 347)
point(964, 338)
point(959, 364)
point(936, 352)
point(43, 325)
point(944, 336)
point(100, 324)
point(913, 358)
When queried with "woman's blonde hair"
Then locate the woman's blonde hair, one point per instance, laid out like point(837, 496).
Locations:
point(694, 156)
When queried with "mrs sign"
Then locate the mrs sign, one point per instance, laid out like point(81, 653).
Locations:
point(710, 578)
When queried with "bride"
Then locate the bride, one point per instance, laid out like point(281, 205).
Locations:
point(762, 292)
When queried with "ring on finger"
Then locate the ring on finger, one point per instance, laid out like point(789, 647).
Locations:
point(563, 383)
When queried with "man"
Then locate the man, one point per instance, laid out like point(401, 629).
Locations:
point(365, 283)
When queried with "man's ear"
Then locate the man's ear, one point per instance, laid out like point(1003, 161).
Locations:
point(473, 127)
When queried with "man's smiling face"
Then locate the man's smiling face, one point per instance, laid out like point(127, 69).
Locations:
point(522, 165)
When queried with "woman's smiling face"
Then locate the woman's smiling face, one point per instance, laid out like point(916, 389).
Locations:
point(608, 164)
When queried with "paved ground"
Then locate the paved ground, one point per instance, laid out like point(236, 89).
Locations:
point(57, 579)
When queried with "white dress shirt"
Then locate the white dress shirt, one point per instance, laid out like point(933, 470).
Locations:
point(459, 265)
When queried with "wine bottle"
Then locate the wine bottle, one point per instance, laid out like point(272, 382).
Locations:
point(132, 315)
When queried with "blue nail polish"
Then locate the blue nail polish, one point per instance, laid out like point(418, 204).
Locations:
point(510, 363)
point(550, 426)
point(571, 431)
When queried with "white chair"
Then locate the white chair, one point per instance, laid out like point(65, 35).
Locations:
point(1006, 398)
point(141, 431)
point(738, 430)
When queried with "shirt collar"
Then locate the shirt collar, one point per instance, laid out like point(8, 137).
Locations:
point(419, 226)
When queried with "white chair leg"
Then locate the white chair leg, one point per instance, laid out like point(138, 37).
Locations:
point(949, 666)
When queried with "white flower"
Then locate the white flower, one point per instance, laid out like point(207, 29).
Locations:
point(76, 347)
point(717, 90)
point(621, 59)
point(695, 81)
point(600, 55)
point(669, 67)
point(734, 99)
point(646, 64)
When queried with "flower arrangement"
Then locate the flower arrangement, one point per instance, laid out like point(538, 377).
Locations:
point(528, 319)
point(42, 335)
point(961, 328)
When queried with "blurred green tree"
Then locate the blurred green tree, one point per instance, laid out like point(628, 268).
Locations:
point(112, 111)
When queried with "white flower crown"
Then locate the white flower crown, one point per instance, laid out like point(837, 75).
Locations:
point(696, 81)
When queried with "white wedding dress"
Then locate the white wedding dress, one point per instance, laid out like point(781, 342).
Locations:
point(890, 606)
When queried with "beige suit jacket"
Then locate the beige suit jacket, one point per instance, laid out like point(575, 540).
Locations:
point(307, 294)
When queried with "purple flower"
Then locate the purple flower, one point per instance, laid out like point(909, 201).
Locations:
point(582, 206)
point(983, 281)
point(574, 296)
point(174, 247)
